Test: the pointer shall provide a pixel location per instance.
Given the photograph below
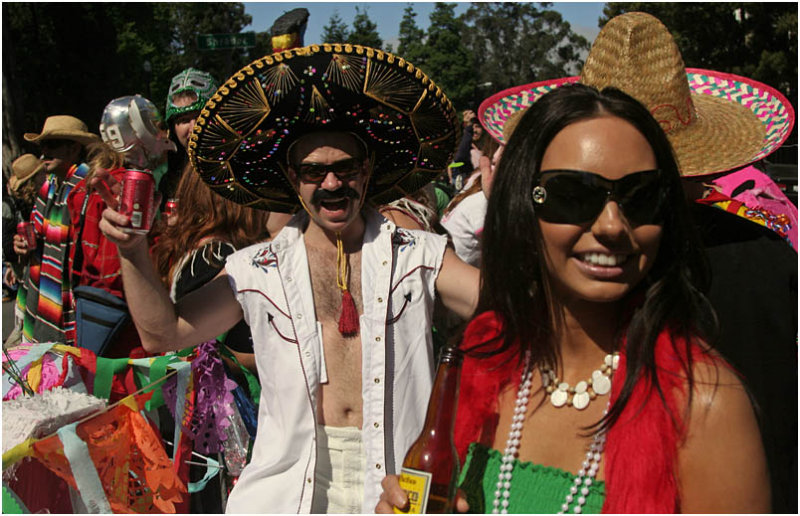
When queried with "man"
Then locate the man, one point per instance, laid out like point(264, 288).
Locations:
point(340, 302)
point(44, 300)
point(716, 122)
point(23, 185)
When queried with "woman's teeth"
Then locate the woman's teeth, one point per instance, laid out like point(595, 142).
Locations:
point(604, 260)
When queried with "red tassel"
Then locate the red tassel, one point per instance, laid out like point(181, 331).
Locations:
point(348, 320)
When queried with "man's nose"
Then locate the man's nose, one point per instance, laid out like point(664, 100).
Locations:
point(331, 181)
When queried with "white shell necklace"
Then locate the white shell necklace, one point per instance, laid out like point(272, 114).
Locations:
point(580, 488)
point(562, 394)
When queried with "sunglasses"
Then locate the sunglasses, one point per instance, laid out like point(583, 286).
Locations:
point(576, 197)
point(345, 170)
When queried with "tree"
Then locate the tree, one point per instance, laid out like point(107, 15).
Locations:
point(73, 58)
point(518, 43)
point(756, 40)
point(188, 19)
point(336, 30)
point(365, 31)
point(411, 45)
point(446, 60)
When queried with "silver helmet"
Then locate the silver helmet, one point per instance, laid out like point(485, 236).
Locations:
point(131, 126)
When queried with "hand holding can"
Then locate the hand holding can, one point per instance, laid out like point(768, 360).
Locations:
point(26, 231)
point(137, 200)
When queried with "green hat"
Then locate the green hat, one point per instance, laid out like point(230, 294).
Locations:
point(196, 81)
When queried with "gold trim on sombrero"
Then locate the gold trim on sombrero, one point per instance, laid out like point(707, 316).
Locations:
point(252, 105)
point(246, 126)
point(339, 71)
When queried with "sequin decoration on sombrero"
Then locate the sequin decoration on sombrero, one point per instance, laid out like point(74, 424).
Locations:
point(715, 121)
point(241, 136)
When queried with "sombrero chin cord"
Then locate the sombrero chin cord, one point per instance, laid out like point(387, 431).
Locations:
point(348, 320)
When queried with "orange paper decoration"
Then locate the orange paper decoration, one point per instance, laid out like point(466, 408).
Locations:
point(136, 474)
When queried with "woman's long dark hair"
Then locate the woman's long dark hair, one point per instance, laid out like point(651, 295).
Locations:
point(515, 280)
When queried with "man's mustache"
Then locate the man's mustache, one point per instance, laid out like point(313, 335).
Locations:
point(321, 195)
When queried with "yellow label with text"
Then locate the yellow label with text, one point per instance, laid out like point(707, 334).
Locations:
point(417, 485)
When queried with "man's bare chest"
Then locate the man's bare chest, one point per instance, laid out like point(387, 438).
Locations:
point(327, 294)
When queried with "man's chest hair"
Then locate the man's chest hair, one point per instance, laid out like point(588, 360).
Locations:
point(327, 295)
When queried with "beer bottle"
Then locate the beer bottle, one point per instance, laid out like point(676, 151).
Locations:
point(430, 469)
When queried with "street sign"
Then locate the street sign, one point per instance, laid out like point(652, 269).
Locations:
point(225, 41)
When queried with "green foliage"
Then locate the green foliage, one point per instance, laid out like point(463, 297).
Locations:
point(188, 19)
point(756, 40)
point(73, 58)
point(446, 60)
point(411, 45)
point(263, 46)
point(365, 31)
point(518, 43)
point(335, 31)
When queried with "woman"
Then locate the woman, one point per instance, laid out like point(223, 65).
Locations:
point(190, 252)
point(588, 375)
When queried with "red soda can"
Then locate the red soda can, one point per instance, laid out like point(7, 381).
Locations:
point(25, 230)
point(171, 207)
point(138, 189)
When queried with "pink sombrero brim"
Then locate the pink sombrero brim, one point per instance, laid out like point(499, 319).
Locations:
point(725, 95)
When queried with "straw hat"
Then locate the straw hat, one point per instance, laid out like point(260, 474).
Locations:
point(715, 121)
point(25, 167)
point(63, 127)
point(241, 136)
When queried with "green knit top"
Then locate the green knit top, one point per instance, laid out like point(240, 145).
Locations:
point(534, 488)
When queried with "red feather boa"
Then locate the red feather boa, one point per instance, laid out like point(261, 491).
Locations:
point(640, 453)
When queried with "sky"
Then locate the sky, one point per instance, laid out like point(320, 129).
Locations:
point(582, 16)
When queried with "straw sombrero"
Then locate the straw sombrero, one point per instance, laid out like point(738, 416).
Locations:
point(241, 136)
point(63, 127)
point(24, 168)
point(715, 121)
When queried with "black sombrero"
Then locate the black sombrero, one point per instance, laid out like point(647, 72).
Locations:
point(241, 136)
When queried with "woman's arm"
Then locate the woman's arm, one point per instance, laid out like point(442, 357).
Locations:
point(721, 464)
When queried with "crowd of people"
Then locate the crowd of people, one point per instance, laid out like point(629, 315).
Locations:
point(329, 221)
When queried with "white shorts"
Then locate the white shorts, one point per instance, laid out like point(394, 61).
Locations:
point(341, 463)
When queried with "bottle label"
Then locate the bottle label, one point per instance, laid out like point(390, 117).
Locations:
point(417, 484)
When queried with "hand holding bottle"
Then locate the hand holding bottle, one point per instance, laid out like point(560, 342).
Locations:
point(394, 497)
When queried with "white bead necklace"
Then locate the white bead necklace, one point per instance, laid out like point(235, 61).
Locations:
point(561, 394)
point(588, 469)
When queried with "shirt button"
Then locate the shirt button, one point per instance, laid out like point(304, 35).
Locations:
point(376, 424)
point(385, 262)
point(308, 480)
point(308, 353)
point(377, 339)
point(289, 278)
point(378, 466)
point(299, 316)
point(377, 380)
point(380, 300)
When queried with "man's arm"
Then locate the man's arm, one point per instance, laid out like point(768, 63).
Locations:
point(458, 285)
point(162, 326)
